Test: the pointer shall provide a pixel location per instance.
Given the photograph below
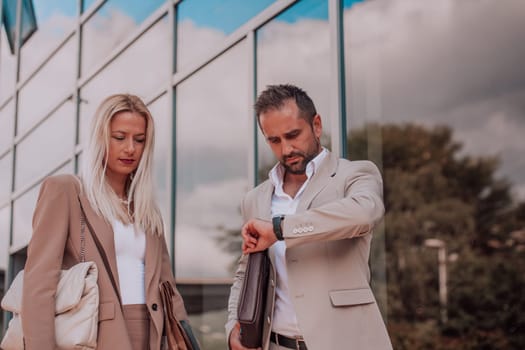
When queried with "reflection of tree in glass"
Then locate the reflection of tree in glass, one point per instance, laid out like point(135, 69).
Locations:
point(431, 191)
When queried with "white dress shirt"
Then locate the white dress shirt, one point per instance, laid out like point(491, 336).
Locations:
point(284, 319)
point(130, 249)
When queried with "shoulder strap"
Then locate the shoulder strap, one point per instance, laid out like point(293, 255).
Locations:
point(101, 251)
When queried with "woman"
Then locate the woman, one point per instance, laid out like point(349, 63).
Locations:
point(116, 194)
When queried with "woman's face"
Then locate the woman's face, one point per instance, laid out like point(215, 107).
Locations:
point(126, 144)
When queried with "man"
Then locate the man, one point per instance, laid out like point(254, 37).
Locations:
point(316, 214)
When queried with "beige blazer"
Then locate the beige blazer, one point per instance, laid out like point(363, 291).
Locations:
point(327, 251)
point(55, 245)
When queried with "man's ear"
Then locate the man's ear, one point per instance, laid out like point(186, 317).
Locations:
point(317, 126)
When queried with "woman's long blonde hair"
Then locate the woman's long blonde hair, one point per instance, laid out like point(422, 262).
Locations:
point(103, 199)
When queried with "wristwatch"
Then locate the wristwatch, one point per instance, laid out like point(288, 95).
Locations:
point(277, 229)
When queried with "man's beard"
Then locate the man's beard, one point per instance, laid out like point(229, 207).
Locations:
point(299, 168)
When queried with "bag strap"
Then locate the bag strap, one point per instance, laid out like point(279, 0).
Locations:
point(100, 249)
point(82, 237)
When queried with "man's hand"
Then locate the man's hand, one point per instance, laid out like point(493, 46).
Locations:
point(257, 235)
point(235, 339)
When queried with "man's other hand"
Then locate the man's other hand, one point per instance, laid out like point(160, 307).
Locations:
point(235, 339)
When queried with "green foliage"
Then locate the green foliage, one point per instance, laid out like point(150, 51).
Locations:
point(432, 190)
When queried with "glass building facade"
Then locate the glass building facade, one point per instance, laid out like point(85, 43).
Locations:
point(433, 92)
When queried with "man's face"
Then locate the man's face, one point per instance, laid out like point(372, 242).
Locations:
point(292, 139)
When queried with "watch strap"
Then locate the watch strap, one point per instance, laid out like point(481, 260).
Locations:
point(277, 228)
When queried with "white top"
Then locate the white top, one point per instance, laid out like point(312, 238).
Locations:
point(130, 248)
point(285, 319)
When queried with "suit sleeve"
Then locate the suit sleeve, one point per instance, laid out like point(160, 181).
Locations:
point(167, 275)
point(353, 215)
point(43, 265)
point(235, 290)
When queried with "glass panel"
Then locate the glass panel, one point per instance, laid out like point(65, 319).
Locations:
point(305, 22)
point(7, 119)
point(435, 95)
point(212, 176)
point(47, 146)
point(135, 71)
point(7, 69)
point(203, 24)
point(5, 214)
point(55, 20)
point(6, 173)
point(23, 209)
point(111, 25)
point(40, 96)
point(162, 174)
point(67, 168)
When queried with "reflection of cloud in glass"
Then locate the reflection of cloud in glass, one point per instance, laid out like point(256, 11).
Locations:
point(207, 213)
point(48, 87)
point(139, 10)
point(23, 209)
point(55, 19)
point(140, 70)
point(6, 168)
point(222, 15)
point(45, 147)
point(306, 9)
point(443, 62)
point(212, 123)
point(4, 236)
point(205, 24)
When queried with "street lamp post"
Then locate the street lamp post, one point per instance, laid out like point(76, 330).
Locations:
point(442, 264)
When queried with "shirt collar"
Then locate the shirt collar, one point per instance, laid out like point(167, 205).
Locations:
point(276, 175)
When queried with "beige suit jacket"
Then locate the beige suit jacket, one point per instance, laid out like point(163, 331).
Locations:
point(55, 245)
point(327, 251)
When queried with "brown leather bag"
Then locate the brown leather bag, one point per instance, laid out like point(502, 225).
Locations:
point(252, 301)
point(176, 337)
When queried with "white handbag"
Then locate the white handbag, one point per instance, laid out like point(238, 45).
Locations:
point(76, 308)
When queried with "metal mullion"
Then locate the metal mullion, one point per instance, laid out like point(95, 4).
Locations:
point(10, 264)
point(76, 91)
point(6, 102)
point(252, 82)
point(337, 84)
point(172, 153)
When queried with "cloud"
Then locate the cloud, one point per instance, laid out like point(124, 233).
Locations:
point(205, 215)
point(456, 63)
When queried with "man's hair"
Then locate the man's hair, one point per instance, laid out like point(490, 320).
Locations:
point(275, 96)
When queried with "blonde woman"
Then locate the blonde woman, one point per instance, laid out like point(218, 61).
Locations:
point(116, 194)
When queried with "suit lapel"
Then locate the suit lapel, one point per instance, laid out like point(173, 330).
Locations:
point(318, 181)
point(104, 232)
point(264, 207)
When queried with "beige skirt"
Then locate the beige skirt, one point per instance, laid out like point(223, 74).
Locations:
point(137, 323)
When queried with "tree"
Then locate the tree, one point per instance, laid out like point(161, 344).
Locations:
point(432, 190)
